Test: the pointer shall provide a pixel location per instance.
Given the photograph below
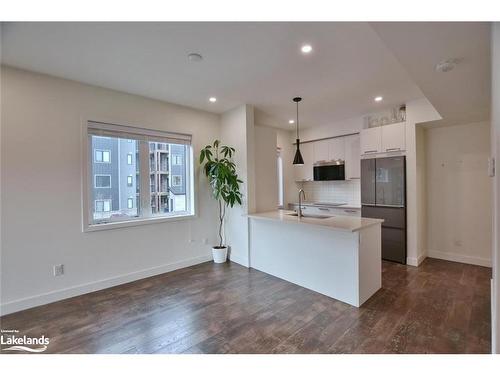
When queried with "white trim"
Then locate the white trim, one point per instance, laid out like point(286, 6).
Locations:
point(415, 262)
point(478, 261)
point(134, 222)
point(57, 295)
point(102, 187)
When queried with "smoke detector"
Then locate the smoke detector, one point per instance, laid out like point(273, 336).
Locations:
point(447, 65)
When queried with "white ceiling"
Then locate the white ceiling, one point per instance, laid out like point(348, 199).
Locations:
point(253, 63)
point(461, 95)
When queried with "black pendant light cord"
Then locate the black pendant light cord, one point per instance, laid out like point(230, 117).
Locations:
point(297, 127)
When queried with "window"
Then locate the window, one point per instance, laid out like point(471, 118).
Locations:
point(102, 156)
point(118, 187)
point(280, 179)
point(176, 180)
point(177, 160)
point(103, 205)
point(102, 181)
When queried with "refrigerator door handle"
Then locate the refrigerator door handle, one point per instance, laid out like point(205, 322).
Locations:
point(390, 205)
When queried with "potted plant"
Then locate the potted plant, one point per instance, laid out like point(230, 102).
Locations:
point(220, 170)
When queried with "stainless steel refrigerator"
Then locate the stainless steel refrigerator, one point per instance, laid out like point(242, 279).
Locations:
point(383, 196)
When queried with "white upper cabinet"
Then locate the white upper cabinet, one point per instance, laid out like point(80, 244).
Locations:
point(336, 148)
point(352, 157)
point(320, 151)
point(387, 138)
point(329, 149)
point(371, 141)
point(304, 172)
point(393, 137)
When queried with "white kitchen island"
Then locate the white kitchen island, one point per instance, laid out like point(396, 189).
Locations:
point(337, 256)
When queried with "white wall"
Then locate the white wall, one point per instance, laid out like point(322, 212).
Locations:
point(459, 193)
point(287, 154)
point(237, 130)
point(495, 122)
point(418, 111)
point(266, 169)
point(41, 192)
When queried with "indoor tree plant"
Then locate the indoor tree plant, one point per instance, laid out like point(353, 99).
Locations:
point(218, 166)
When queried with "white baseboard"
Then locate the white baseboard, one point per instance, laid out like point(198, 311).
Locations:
point(459, 258)
point(57, 295)
point(240, 260)
point(415, 262)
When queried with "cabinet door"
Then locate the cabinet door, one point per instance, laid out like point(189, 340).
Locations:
point(371, 140)
point(393, 137)
point(336, 149)
point(320, 151)
point(304, 172)
point(352, 157)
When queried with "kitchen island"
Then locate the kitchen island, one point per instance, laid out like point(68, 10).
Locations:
point(338, 256)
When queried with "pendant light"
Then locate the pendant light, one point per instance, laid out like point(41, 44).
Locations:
point(298, 160)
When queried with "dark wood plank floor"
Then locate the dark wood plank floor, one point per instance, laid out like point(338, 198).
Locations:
point(440, 307)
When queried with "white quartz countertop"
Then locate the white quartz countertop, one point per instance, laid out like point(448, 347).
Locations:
point(340, 222)
point(329, 205)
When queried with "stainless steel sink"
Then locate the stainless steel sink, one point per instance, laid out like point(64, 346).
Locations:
point(310, 216)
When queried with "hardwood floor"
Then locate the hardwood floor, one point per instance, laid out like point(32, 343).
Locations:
point(440, 307)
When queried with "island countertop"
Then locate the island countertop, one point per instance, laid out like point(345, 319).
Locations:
point(339, 222)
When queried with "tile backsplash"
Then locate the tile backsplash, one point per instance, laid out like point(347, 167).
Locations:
point(333, 191)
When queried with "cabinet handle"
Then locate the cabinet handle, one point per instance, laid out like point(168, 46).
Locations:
point(323, 209)
point(370, 151)
point(393, 149)
point(351, 211)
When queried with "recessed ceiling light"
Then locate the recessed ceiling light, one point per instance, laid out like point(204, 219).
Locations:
point(306, 48)
point(291, 121)
point(196, 57)
point(213, 99)
point(378, 98)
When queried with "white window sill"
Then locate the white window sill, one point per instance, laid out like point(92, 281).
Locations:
point(137, 222)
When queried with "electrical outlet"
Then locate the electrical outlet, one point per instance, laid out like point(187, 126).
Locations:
point(59, 270)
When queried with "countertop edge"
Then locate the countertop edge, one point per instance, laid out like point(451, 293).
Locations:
point(330, 227)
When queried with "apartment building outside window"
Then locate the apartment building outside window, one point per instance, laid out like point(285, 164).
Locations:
point(126, 188)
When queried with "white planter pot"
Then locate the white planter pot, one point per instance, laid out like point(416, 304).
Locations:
point(220, 255)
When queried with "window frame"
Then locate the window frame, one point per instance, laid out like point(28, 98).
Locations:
point(102, 151)
point(145, 217)
point(102, 200)
point(180, 179)
point(102, 175)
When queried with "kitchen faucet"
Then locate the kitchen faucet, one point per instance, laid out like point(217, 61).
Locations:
point(299, 210)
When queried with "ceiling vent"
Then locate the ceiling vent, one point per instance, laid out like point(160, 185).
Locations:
point(447, 65)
